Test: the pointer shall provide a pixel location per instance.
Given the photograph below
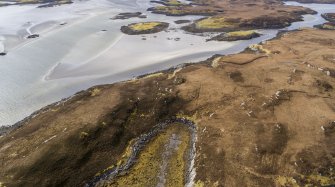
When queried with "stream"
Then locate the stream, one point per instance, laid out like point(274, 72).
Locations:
point(139, 145)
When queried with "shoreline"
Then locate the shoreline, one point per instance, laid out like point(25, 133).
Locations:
point(208, 62)
point(8, 128)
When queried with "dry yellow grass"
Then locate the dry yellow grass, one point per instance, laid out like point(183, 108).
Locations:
point(144, 26)
point(241, 33)
point(214, 23)
point(174, 2)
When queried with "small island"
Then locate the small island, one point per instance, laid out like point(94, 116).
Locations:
point(33, 36)
point(182, 21)
point(144, 28)
point(222, 23)
point(212, 24)
point(128, 15)
point(235, 36)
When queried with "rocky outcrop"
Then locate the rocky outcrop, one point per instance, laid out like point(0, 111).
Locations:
point(33, 36)
point(55, 3)
point(182, 21)
point(128, 15)
point(223, 24)
point(268, 22)
point(329, 17)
